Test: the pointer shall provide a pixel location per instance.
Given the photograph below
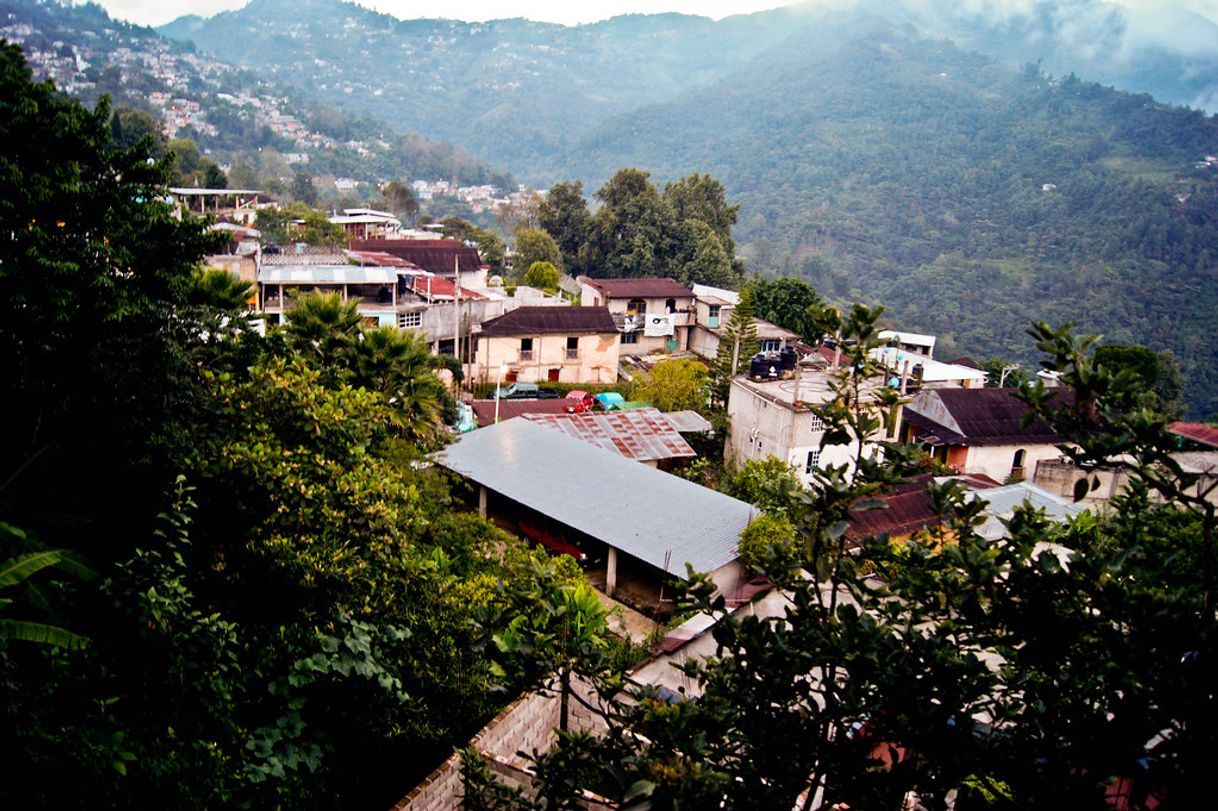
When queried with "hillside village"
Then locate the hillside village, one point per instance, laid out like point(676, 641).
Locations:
point(540, 355)
point(624, 497)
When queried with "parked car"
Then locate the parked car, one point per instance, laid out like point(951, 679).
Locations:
point(579, 401)
point(524, 391)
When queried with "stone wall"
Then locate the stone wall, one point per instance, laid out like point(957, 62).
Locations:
point(526, 725)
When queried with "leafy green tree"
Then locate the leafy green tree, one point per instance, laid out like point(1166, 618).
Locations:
point(187, 162)
point(789, 303)
point(768, 543)
point(1156, 372)
point(673, 384)
point(703, 199)
point(213, 176)
point(701, 258)
point(303, 190)
point(242, 176)
point(631, 233)
point(400, 199)
point(401, 367)
point(92, 265)
point(534, 245)
point(129, 126)
point(564, 216)
point(768, 484)
point(299, 223)
point(543, 276)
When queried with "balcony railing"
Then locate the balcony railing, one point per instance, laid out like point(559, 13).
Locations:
point(572, 354)
point(526, 355)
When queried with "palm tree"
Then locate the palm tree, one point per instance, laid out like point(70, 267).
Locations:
point(324, 327)
point(400, 366)
point(213, 287)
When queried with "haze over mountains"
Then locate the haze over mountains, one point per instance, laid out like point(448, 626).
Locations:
point(512, 90)
point(937, 158)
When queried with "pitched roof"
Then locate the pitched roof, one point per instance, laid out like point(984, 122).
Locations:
point(550, 320)
point(978, 417)
point(654, 516)
point(433, 255)
point(484, 410)
point(1197, 432)
point(641, 288)
point(642, 434)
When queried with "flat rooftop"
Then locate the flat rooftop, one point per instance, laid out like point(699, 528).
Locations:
point(812, 387)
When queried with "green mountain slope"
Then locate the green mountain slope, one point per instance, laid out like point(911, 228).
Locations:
point(235, 114)
point(965, 197)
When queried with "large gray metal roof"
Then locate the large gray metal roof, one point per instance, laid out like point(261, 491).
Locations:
point(636, 509)
point(326, 274)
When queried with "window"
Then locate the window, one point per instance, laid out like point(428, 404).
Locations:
point(771, 345)
point(408, 320)
point(1017, 465)
point(712, 318)
point(816, 424)
point(636, 306)
point(630, 337)
point(670, 306)
point(813, 461)
point(526, 348)
point(573, 347)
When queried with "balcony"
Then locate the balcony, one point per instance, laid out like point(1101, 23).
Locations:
point(526, 355)
point(572, 354)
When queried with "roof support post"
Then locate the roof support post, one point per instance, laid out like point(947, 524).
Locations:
point(610, 572)
point(482, 500)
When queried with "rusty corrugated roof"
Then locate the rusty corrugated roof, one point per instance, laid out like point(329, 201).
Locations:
point(641, 288)
point(550, 320)
point(1197, 432)
point(642, 434)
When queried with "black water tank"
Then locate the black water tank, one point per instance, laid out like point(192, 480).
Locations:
point(788, 357)
point(759, 367)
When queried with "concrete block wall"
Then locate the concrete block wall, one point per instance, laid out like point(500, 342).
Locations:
point(525, 725)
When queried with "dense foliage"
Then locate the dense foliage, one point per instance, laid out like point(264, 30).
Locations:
point(682, 232)
point(249, 590)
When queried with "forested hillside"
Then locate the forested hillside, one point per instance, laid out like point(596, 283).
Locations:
point(966, 198)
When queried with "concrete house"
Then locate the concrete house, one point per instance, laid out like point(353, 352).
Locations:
point(652, 315)
point(980, 430)
point(776, 418)
point(558, 344)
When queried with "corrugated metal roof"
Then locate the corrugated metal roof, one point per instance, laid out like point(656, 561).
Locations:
point(326, 274)
point(641, 288)
point(688, 422)
point(642, 434)
point(550, 320)
point(639, 510)
point(484, 410)
point(434, 255)
point(982, 417)
point(1197, 432)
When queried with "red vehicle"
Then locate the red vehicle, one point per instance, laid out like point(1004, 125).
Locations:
point(551, 541)
point(578, 401)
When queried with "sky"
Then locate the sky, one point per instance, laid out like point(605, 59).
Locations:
point(158, 12)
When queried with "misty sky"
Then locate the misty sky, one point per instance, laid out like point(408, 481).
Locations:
point(157, 12)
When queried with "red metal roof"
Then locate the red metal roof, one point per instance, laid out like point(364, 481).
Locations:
point(484, 410)
point(642, 434)
point(381, 258)
point(432, 255)
point(433, 287)
point(1197, 432)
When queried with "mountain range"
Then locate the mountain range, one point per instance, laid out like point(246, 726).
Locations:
point(959, 164)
